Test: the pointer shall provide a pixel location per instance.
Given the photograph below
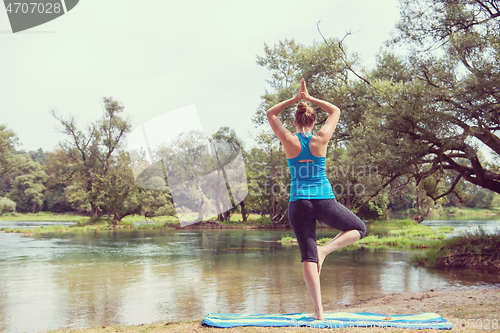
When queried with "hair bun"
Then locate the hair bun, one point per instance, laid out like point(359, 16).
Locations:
point(302, 107)
point(305, 116)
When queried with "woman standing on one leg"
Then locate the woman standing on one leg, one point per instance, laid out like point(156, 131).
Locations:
point(311, 194)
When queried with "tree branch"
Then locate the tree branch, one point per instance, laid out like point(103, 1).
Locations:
point(344, 57)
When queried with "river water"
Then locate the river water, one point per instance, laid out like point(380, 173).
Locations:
point(143, 276)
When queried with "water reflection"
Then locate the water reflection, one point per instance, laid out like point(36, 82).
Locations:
point(141, 276)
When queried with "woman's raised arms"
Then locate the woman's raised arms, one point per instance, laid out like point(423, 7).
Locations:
point(281, 132)
point(323, 135)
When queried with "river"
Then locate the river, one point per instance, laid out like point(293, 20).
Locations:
point(141, 276)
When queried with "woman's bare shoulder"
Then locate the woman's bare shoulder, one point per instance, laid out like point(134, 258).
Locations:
point(292, 146)
point(317, 146)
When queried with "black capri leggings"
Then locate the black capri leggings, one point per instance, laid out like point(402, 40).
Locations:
point(303, 214)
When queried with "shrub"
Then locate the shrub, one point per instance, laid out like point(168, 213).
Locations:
point(7, 206)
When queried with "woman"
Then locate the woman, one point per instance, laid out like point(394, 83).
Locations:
point(311, 194)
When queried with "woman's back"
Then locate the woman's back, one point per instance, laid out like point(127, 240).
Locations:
point(308, 172)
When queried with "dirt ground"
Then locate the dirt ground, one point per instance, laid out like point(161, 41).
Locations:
point(473, 310)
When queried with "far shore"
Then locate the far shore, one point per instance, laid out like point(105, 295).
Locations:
point(471, 310)
point(236, 219)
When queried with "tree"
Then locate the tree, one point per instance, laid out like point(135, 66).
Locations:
point(21, 179)
point(227, 153)
point(28, 185)
point(185, 166)
point(456, 53)
point(93, 156)
point(120, 194)
point(38, 155)
point(484, 198)
point(60, 170)
point(8, 141)
point(157, 203)
point(268, 178)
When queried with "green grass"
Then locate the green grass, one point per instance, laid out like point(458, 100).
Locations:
point(383, 227)
point(475, 243)
point(41, 217)
point(78, 227)
point(252, 219)
point(83, 225)
point(141, 218)
point(239, 218)
point(374, 241)
point(49, 229)
point(390, 234)
point(287, 240)
point(446, 230)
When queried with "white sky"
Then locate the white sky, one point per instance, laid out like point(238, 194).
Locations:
point(161, 55)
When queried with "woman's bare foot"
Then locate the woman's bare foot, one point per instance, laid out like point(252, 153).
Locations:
point(321, 258)
point(318, 315)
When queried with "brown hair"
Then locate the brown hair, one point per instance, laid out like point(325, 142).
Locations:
point(304, 116)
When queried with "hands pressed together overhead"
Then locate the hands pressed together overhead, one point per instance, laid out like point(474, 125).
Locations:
point(302, 94)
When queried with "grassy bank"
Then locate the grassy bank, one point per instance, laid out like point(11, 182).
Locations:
point(450, 213)
point(465, 211)
point(42, 217)
point(392, 234)
point(83, 224)
point(469, 250)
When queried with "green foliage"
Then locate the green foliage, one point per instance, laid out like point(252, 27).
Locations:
point(8, 158)
point(484, 198)
point(60, 168)
point(39, 155)
point(28, 185)
point(8, 141)
point(157, 203)
point(7, 206)
point(374, 209)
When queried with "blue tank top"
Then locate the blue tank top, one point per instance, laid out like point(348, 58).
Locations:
point(309, 180)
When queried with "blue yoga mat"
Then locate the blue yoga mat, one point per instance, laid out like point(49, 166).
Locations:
point(332, 320)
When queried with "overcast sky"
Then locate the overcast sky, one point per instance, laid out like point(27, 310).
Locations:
point(160, 55)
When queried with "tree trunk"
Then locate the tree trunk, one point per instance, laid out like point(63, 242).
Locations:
point(243, 211)
point(95, 213)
